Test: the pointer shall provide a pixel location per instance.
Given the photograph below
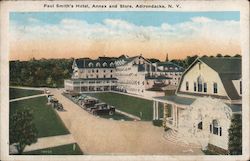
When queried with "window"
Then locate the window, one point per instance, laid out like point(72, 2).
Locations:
point(111, 71)
point(205, 87)
point(111, 76)
point(104, 64)
point(87, 76)
point(91, 64)
point(215, 88)
point(199, 65)
point(93, 70)
point(187, 87)
point(200, 125)
point(97, 71)
point(104, 71)
point(215, 128)
point(195, 86)
point(111, 64)
point(98, 64)
point(96, 76)
point(199, 80)
point(104, 76)
point(240, 87)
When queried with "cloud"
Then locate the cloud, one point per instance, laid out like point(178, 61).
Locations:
point(199, 28)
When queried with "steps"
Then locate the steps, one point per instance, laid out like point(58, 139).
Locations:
point(172, 136)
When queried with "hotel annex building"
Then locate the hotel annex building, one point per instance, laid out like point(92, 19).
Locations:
point(134, 75)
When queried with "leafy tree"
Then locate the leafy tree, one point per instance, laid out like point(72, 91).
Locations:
point(235, 135)
point(219, 55)
point(153, 60)
point(22, 129)
point(237, 55)
point(227, 56)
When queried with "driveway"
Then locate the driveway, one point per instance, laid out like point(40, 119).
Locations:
point(102, 136)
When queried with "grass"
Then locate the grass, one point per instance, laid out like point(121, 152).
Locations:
point(117, 116)
point(17, 93)
point(209, 152)
point(59, 150)
point(46, 120)
point(129, 104)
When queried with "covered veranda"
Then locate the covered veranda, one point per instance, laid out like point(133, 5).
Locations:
point(172, 107)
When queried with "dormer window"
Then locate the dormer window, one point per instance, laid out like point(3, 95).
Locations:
point(91, 65)
point(104, 64)
point(98, 64)
point(111, 64)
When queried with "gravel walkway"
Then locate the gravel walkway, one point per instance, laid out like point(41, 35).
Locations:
point(102, 136)
point(27, 97)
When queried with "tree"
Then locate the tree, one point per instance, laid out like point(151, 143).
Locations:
point(219, 55)
point(237, 55)
point(153, 60)
point(22, 129)
point(235, 135)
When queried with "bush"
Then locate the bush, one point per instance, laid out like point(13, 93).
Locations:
point(157, 123)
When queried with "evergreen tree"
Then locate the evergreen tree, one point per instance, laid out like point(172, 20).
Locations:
point(22, 129)
point(235, 135)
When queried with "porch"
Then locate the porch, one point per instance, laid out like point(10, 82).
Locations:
point(172, 108)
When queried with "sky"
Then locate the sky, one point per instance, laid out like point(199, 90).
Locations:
point(151, 34)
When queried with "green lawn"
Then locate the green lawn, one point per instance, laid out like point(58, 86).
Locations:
point(59, 150)
point(46, 119)
point(129, 104)
point(117, 116)
point(17, 93)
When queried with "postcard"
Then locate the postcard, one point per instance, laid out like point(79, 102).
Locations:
point(124, 80)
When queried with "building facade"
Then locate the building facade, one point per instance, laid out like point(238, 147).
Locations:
point(92, 75)
point(134, 75)
point(208, 95)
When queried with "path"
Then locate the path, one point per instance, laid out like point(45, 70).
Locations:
point(51, 141)
point(102, 136)
point(27, 97)
point(29, 88)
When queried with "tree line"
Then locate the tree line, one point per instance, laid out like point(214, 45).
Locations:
point(52, 72)
point(40, 73)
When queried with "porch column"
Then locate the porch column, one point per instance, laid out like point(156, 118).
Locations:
point(110, 85)
point(80, 86)
point(157, 110)
point(177, 110)
point(95, 86)
point(154, 110)
point(176, 116)
point(165, 114)
point(88, 86)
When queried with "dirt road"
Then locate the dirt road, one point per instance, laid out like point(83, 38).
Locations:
point(102, 136)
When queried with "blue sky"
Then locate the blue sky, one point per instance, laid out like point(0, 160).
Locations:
point(137, 18)
point(91, 34)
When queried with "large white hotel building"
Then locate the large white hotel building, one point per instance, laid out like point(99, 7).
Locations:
point(134, 75)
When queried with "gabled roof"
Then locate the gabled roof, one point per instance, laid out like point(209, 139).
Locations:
point(223, 64)
point(84, 63)
point(171, 67)
point(228, 69)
